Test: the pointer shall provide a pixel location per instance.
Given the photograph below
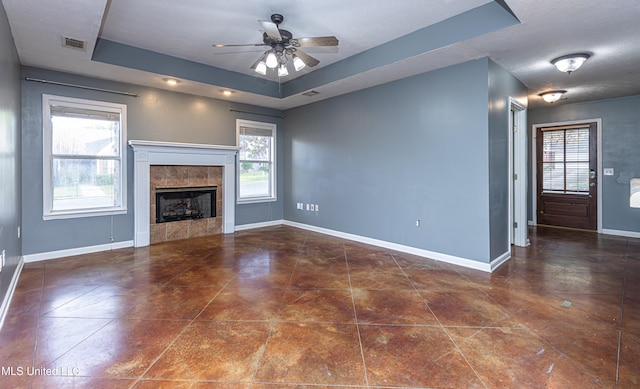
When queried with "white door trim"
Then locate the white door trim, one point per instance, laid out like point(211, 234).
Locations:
point(518, 168)
point(534, 183)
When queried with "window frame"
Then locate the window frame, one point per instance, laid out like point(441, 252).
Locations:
point(48, 213)
point(272, 161)
point(564, 162)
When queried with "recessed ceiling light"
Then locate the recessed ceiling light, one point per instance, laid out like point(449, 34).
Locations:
point(227, 92)
point(171, 81)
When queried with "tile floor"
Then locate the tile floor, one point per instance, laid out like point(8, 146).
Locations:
point(281, 307)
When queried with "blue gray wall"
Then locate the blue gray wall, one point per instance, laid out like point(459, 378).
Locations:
point(10, 190)
point(502, 85)
point(377, 160)
point(156, 114)
point(620, 150)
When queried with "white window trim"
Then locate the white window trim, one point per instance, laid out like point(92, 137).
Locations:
point(274, 186)
point(47, 192)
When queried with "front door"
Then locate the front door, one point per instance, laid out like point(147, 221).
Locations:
point(567, 176)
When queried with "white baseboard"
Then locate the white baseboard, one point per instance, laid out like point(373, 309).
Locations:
point(496, 263)
point(628, 234)
point(454, 260)
point(76, 251)
point(469, 263)
point(4, 308)
point(270, 223)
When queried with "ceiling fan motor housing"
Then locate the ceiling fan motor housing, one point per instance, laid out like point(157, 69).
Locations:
point(285, 41)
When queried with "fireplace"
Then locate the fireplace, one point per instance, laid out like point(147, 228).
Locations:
point(177, 204)
point(186, 201)
point(179, 165)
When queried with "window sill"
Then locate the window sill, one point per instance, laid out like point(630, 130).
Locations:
point(84, 213)
point(256, 200)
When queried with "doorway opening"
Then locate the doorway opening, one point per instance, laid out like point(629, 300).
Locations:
point(518, 232)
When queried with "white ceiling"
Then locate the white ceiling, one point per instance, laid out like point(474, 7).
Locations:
point(187, 29)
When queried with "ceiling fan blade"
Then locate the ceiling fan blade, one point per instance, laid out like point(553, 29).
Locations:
point(271, 29)
point(315, 41)
point(308, 60)
point(219, 45)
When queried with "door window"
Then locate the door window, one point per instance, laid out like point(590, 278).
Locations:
point(565, 160)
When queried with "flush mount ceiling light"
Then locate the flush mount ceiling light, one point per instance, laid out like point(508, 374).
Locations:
point(552, 96)
point(570, 63)
point(283, 48)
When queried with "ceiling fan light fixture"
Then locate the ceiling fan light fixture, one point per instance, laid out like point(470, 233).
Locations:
point(283, 71)
point(272, 60)
point(261, 68)
point(298, 63)
point(570, 63)
point(552, 96)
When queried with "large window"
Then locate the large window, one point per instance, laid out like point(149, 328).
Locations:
point(84, 157)
point(256, 162)
point(565, 160)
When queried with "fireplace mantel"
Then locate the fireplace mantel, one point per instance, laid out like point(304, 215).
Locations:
point(147, 153)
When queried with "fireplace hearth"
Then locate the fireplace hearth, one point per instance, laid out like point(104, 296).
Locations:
point(177, 204)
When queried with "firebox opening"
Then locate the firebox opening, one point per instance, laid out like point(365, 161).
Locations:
point(175, 204)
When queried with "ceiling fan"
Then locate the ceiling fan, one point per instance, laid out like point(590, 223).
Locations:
point(283, 47)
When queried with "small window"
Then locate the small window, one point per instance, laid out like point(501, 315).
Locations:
point(84, 158)
point(256, 161)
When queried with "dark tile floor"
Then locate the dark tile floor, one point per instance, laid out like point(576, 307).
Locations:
point(286, 308)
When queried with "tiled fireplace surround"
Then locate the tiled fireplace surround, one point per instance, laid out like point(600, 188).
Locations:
point(188, 176)
point(172, 165)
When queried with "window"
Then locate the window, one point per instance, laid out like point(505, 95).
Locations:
point(256, 161)
point(565, 160)
point(84, 158)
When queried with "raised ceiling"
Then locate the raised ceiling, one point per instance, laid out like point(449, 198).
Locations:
point(145, 41)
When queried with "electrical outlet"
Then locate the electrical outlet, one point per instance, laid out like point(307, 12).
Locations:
point(2, 259)
point(417, 222)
